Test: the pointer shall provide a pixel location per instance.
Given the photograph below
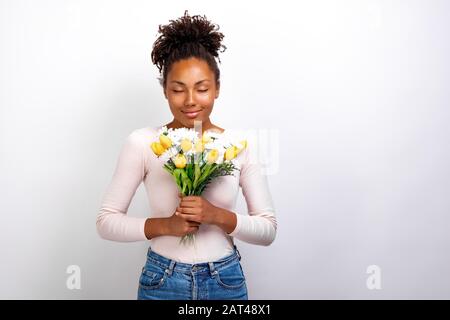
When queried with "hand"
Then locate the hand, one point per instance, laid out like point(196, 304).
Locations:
point(180, 227)
point(196, 209)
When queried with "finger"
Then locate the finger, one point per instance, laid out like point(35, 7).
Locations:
point(194, 224)
point(188, 204)
point(188, 217)
point(192, 230)
point(191, 198)
point(187, 210)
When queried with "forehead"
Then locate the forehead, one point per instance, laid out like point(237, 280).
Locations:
point(190, 71)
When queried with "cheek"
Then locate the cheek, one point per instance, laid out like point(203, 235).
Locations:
point(176, 102)
point(206, 99)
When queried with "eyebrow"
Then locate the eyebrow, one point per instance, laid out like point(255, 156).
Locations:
point(182, 83)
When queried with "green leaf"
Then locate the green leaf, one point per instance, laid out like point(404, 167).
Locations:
point(177, 174)
point(188, 170)
point(197, 174)
point(189, 186)
point(206, 170)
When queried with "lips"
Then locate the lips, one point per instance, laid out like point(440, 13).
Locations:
point(192, 114)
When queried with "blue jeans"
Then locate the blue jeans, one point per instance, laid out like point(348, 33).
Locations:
point(166, 279)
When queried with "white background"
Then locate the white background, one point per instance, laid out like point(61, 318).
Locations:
point(357, 90)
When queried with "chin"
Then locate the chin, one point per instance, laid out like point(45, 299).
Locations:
point(191, 121)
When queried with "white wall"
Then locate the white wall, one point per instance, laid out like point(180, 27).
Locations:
point(357, 91)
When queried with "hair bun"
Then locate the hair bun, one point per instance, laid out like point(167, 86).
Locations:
point(195, 29)
point(186, 31)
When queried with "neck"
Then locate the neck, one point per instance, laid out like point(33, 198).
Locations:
point(175, 124)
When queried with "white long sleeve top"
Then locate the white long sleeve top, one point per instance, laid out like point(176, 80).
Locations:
point(137, 163)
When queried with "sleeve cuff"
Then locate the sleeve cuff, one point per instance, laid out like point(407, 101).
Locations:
point(142, 228)
point(238, 226)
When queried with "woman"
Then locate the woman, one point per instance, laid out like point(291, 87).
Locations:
point(184, 54)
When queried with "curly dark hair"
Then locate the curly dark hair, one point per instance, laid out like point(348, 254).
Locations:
point(186, 37)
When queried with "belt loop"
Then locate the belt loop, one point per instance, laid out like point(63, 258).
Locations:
point(171, 266)
point(212, 269)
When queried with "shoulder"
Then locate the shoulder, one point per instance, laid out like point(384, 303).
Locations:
point(138, 143)
point(139, 140)
point(146, 132)
point(143, 135)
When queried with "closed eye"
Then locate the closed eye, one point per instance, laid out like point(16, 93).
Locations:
point(182, 90)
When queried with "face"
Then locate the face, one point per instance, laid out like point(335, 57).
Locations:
point(191, 90)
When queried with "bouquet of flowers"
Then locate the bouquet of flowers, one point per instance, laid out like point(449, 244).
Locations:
point(194, 160)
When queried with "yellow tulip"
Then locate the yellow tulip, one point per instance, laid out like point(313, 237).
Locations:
point(206, 138)
point(199, 147)
point(212, 156)
point(186, 145)
point(165, 141)
point(244, 144)
point(180, 161)
point(231, 153)
point(157, 148)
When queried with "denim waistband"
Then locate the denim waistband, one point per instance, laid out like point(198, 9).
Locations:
point(172, 265)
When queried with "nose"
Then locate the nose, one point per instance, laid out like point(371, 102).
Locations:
point(189, 99)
